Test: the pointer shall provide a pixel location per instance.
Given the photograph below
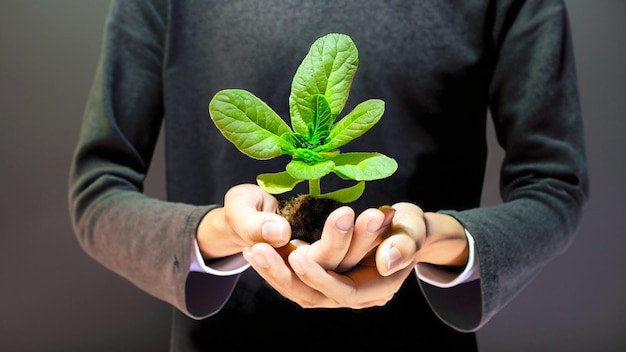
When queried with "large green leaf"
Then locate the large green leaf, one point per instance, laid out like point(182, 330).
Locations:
point(328, 70)
point(252, 126)
point(277, 183)
point(364, 166)
point(356, 123)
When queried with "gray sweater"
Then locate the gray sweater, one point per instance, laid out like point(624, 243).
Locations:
point(440, 66)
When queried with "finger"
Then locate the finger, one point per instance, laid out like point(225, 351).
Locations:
point(277, 273)
point(252, 197)
point(374, 289)
point(329, 286)
point(332, 247)
point(360, 288)
point(251, 213)
point(369, 230)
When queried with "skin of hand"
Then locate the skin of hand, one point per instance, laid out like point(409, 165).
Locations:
point(345, 241)
point(247, 217)
point(379, 258)
point(357, 263)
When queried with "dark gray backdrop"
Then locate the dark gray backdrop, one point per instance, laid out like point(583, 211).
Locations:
point(53, 297)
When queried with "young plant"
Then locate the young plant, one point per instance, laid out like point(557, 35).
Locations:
point(319, 92)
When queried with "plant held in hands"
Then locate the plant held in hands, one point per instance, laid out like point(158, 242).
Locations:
point(319, 92)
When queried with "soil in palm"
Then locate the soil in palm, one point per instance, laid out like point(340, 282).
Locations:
point(307, 215)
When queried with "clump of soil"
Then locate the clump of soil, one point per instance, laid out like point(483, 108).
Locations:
point(306, 215)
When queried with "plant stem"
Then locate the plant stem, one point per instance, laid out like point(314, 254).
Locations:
point(314, 187)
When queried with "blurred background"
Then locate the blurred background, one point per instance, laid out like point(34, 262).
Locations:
point(53, 297)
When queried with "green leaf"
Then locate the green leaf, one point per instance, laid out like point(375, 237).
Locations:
point(356, 123)
point(303, 171)
point(364, 166)
point(252, 126)
point(328, 70)
point(277, 183)
point(322, 121)
point(346, 195)
point(318, 129)
point(308, 156)
point(328, 155)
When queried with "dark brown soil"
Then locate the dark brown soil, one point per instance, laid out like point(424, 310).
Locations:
point(307, 215)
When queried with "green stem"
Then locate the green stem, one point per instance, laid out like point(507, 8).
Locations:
point(314, 188)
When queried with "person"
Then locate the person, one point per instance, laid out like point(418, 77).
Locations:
point(427, 272)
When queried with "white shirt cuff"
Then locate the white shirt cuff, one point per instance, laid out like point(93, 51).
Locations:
point(441, 278)
point(226, 266)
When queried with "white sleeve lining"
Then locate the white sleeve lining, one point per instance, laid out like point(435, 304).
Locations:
point(226, 266)
point(445, 279)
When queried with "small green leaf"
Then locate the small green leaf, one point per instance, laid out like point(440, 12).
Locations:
point(307, 156)
point(252, 126)
point(356, 123)
point(346, 195)
point(303, 171)
point(318, 129)
point(277, 183)
point(364, 166)
point(322, 122)
point(328, 70)
point(328, 155)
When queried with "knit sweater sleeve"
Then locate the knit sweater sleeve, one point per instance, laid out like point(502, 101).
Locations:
point(145, 240)
point(534, 104)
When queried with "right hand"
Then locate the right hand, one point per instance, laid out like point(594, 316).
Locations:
point(247, 217)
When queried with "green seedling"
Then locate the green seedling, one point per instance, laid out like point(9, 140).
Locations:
point(319, 92)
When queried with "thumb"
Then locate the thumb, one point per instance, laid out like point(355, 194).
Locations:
point(400, 249)
point(251, 213)
point(395, 253)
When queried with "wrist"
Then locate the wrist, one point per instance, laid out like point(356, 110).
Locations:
point(212, 238)
point(445, 242)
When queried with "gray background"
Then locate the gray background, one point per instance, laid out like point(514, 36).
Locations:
point(54, 297)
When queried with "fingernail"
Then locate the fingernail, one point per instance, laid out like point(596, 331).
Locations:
point(344, 223)
point(272, 231)
point(374, 225)
point(394, 257)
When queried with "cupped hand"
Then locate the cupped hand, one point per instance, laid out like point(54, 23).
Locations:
point(305, 282)
point(368, 269)
point(247, 217)
point(339, 270)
